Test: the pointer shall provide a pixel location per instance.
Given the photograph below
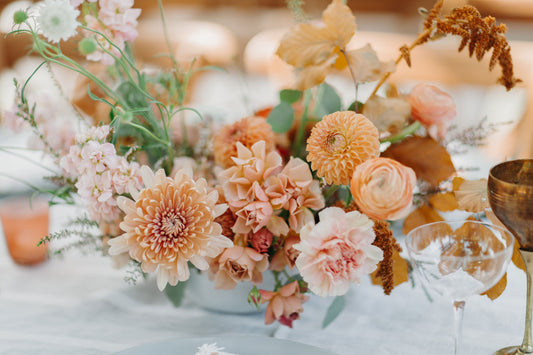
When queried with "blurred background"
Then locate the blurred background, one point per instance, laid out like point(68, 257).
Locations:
point(242, 35)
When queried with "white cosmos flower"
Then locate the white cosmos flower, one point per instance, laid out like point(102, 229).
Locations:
point(57, 20)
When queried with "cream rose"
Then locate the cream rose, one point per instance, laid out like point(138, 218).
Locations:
point(383, 188)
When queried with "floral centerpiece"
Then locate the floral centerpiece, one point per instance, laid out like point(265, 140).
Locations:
point(304, 189)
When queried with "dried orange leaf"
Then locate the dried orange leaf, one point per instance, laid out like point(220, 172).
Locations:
point(400, 271)
point(497, 289)
point(422, 215)
point(456, 182)
point(430, 160)
point(444, 201)
point(517, 257)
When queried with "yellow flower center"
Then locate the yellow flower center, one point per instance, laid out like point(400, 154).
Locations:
point(335, 143)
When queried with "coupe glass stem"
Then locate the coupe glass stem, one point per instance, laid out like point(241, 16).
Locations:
point(527, 343)
point(458, 311)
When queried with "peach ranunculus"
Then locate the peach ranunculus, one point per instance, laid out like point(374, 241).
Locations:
point(295, 190)
point(432, 107)
point(238, 264)
point(383, 188)
point(337, 251)
point(284, 305)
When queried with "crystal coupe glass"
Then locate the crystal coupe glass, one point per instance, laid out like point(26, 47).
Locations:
point(510, 193)
point(459, 259)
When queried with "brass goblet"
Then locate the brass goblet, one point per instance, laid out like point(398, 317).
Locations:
point(510, 192)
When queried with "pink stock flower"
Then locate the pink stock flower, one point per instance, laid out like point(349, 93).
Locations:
point(337, 251)
point(99, 156)
point(71, 163)
point(383, 188)
point(432, 107)
point(284, 305)
point(126, 173)
point(119, 16)
point(238, 264)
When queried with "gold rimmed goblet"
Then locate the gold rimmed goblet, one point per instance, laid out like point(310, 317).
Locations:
point(510, 192)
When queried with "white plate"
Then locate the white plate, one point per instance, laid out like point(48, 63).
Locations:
point(235, 344)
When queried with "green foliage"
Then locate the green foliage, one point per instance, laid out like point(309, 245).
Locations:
point(327, 101)
point(281, 117)
point(84, 232)
point(290, 96)
point(254, 298)
point(175, 293)
point(334, 309)
point(355, 106)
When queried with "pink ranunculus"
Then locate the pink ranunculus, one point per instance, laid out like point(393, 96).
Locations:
point(284, 305)
point(238, 264)
point(337, 251)
point(432, 107)
point(383, 188)
point(262, 240)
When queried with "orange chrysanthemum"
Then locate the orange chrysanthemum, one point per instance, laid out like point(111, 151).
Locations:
point(340, 142)
point(248, 131)
point(170, 223)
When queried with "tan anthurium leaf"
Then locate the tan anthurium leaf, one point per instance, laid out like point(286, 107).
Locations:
point(444, 201)
point(497, 289)
point(308, 77)
point(471, 195)
point(365, 64)
point(430, 160)
point(340, 22)
point(422, 215)
point(307, 44)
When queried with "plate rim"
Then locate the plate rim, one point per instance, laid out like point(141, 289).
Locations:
point(208, 339)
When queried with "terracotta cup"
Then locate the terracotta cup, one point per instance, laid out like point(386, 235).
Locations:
point(25, 223)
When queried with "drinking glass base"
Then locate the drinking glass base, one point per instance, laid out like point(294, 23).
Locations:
point(511, 350)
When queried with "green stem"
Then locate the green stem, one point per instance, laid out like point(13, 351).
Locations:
point(330, 191)
point(153, 136)
point(407, 131)
point(301, 129)
point(289, 277)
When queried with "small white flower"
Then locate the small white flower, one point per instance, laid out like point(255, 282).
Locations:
point(57, 20)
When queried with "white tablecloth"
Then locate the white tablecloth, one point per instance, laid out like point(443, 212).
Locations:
point(81, 305)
